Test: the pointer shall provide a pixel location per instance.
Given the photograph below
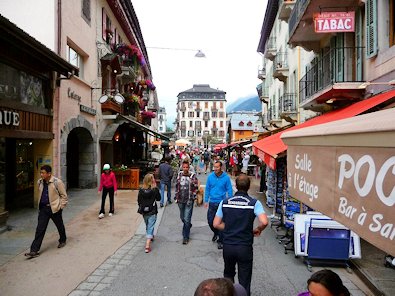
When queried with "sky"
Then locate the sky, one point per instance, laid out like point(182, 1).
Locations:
point(227, 31)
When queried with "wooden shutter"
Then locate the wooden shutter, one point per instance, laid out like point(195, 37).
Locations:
point(103, 24)
point(358, 44)
point(371, 28)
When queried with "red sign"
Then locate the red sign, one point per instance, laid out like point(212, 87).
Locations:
point(328, 22)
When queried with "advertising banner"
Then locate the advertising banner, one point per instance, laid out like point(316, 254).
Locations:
point(353, 185)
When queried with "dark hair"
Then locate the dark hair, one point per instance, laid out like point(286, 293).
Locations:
point(215, 287)
point(243, 182)
point(185, 161)
point(331, 281)
point(46, 168)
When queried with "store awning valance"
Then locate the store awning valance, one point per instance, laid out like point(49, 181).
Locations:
point(142, 127)
point(108, 133)
point(268, 149)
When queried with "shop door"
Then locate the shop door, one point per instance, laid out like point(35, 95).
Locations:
point(20, 174)
point(73, 160)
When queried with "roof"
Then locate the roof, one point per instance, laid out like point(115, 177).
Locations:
point(17, 41)
point(202, 88)
point(269, 148)
point(236, 118)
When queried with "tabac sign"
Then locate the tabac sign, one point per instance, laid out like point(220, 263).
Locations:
point(328, 22)
point(353, 185)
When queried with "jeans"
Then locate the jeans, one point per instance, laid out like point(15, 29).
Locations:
point(110, 192)
point(44, 215)
point(212, 209)
point(150, 221)
point(186, 210)
point(162, 191)
point(242, 256)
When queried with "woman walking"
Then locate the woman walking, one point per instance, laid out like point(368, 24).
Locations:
point(108, 184)
point(147, 198)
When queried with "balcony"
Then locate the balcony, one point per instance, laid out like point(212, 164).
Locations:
point(264, 94)
point(111, 106)
point(262, 74)
point(280, 66)
point(301, 21)
point(183, 128)
point(285, 9)
point(214, 129)
point(334, 78)
point(288, 108)
point(198, 109)
point(272, 116)
point(270, 50)
point(214, 109)
point(183, 109)
point(206, 117)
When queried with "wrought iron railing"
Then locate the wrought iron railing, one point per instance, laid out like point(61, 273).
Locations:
point(294, 18)
point(341, 64)
point(288, 103)
point(281, 61)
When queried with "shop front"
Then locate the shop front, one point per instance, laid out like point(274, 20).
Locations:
point(124, 144)
point(346, 170)
point(28, 71)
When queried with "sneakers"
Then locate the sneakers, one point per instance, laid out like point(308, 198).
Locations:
point(147, 250)
point(110, 215)
point(101, 216)
point(61, 245)
point(220, 246)
point(169, 202)
point(161, 205)
point(32, 254)
point(185, 241)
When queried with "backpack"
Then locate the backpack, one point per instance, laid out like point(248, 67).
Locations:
point(206, 156)
point(146, 207)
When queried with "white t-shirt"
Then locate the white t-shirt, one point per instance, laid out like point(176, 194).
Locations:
point(246, 160)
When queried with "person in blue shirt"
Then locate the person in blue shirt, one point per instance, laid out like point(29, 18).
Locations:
point(235, 219)
point(218, 187)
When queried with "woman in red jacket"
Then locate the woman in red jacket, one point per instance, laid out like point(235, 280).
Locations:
point(108, 184)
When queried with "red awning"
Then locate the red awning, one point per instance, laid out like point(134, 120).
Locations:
point(268, 149)
point(220, 146)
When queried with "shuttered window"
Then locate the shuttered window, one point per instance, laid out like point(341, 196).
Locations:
point(371, 28)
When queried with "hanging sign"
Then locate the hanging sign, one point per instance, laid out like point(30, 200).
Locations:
point(328, 22)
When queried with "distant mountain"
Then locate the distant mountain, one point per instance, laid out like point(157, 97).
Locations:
point(251, 103)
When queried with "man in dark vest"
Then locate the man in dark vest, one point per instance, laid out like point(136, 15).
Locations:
point(235, 218)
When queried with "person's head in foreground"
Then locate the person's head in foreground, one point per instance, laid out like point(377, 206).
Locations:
point(326, 283)
point(219, 287)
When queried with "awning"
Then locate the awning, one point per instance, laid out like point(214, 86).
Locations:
point(270, 148)
point(142, 127)
point(108, 133)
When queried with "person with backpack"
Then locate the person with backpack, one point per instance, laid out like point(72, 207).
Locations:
point(147, 197)
point(206, 157)
point(108, 184)
point(53, 199)
point(186, 190)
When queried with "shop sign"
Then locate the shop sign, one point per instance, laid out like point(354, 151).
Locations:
point(328, 22)
point(353, 185)
point(87, 109)
point(71, 94)
point(8, 117)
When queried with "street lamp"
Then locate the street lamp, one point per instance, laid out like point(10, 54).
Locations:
point(199, 53)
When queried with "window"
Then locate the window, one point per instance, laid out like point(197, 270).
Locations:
point(221, 114)
point(221, 133)
point(197, 114)
point(182, 114)
point(190, 114)
point(214, 124)
point(198, 105)
point(221, 104)
point(183, 133)
point(75, 59)
point(189, 104)
point(86, 10)
point(206, 105)
point(214, 114)
point(206, 124)
point(183, 125)
point(107, 32)
point(221, 123)
point(241, 123)
point(191, 124)
point(249, 123)
point(215, 105)
point(198, 124)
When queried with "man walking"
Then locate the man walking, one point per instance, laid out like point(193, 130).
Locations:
point(218, 187)
point(53, 199)
point(186, 190)
point(235, 218)
point(165, 176)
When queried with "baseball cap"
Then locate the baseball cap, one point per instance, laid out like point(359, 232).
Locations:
point(106, 167)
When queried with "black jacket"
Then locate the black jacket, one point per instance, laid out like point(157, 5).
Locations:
point(149, 197)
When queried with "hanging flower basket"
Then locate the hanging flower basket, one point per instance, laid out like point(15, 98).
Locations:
point(148, 114)
point(130, 54)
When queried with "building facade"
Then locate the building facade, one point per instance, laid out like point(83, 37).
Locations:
point(201, 115)
point(162, 120)
point(243, 126)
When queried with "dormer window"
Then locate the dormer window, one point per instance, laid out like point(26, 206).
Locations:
point(241, 123)
point(249, 123)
